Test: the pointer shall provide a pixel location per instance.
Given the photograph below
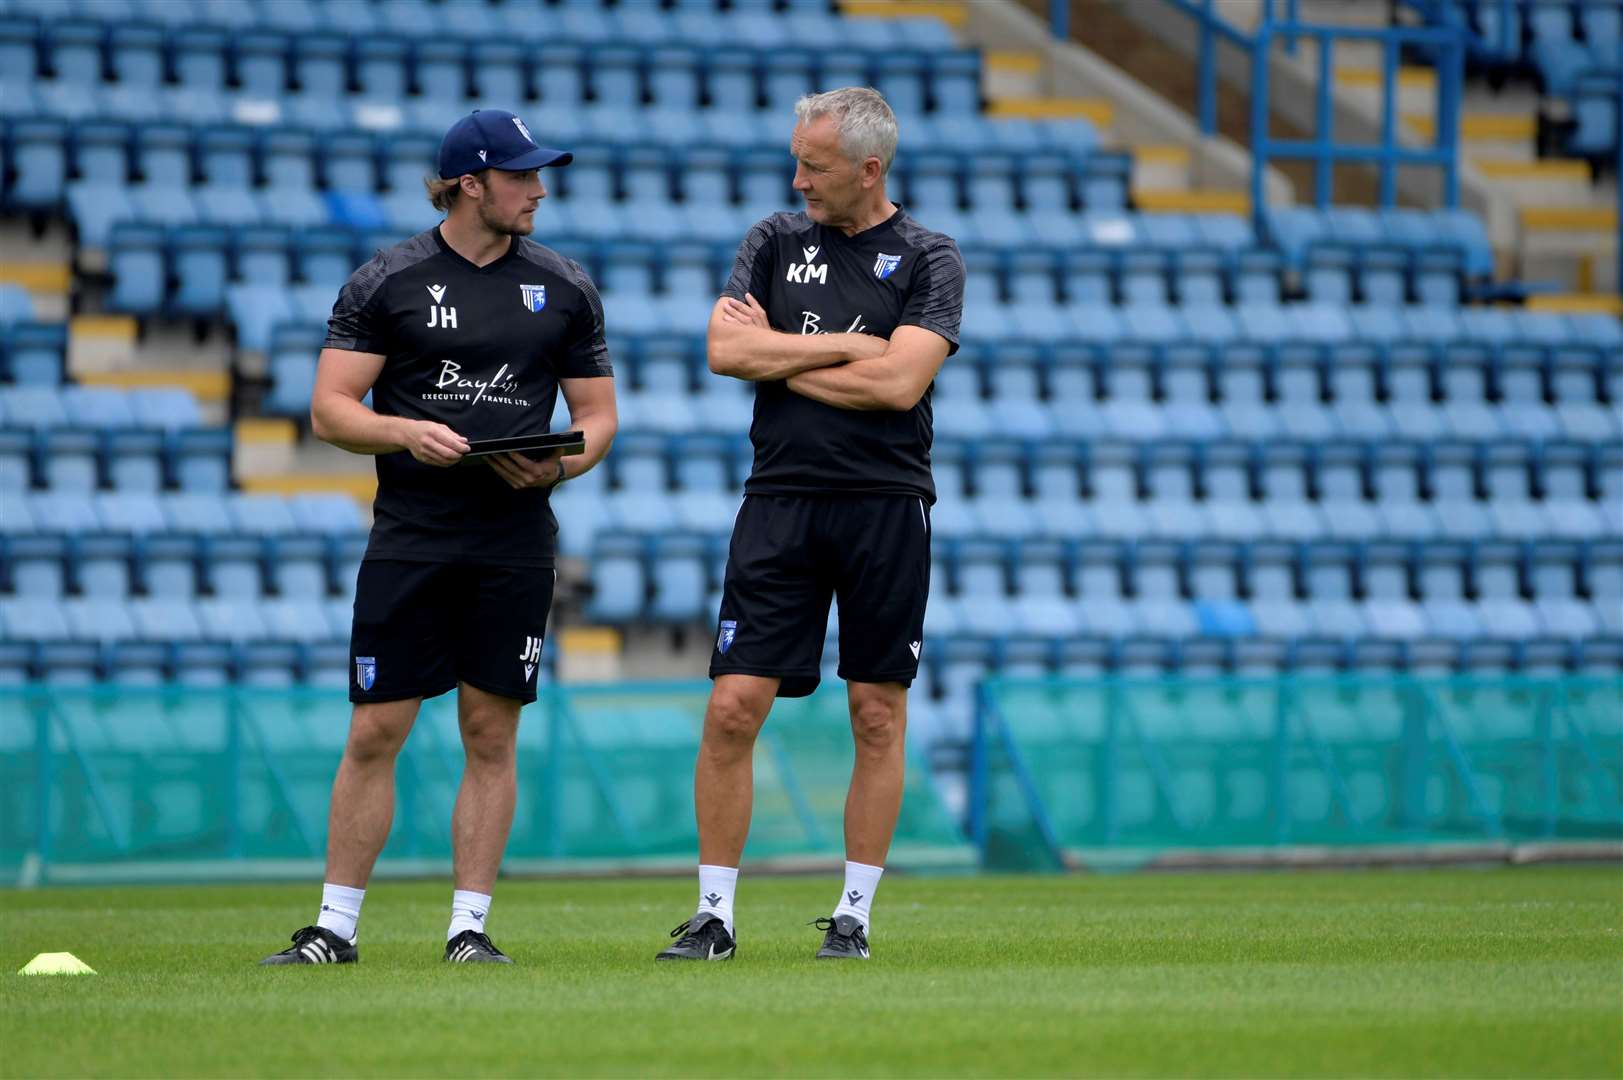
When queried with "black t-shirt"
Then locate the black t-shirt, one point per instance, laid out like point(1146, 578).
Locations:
point(815, 280)
point(479, 349)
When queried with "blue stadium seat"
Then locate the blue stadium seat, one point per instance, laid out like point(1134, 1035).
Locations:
point(138, 267)
point(70, 460)
point(618, 578)
point(39, 151)
point(679, 578)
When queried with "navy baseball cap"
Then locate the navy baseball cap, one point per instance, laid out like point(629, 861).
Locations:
point(493, 139)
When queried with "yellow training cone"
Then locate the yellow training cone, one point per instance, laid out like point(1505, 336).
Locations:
point(56, 963)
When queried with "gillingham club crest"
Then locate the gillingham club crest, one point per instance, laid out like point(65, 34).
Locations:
point(366, 671)
point(535, 296)
point(729, 630)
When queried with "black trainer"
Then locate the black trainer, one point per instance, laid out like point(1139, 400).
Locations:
point(703, 937)
point(845, 939)
point(316, 945)
point(472, 947)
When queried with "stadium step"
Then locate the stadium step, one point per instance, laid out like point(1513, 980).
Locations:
point(1097, 111)
point(589, 654)
point(1576, 245)
point(952, 12)
point(1417, 86)
point(206, 386)
point(48, 285)
point(1192, 201)
point(1160, 166)
point(99, 342)
point(264, 446)
point(359, 486)
point(1578, 303)
point(1480, 127)
point(1566, 181)
point(1569, 219)
point(1011, 73)
point(39, 278)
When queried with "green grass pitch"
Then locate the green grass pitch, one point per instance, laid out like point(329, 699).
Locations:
point(1506, 972)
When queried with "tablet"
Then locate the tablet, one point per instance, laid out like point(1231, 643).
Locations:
point(567, 443)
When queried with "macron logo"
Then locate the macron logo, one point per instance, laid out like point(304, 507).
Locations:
point(914, 645)
point(437, 292)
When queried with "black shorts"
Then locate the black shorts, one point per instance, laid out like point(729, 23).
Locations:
point(420, 628)
point(790, 555)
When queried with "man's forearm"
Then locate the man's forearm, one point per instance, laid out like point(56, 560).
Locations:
point(758, 355)
point(599, 429)
point(863, 386)
point(350, 425)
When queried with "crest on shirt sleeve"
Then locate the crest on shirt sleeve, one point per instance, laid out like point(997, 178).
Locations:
point(535, 296)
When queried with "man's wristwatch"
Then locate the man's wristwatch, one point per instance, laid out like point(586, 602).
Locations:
point(562, 476)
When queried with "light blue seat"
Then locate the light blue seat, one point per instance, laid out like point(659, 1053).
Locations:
point(679, 579)
point(1041, 568)
point(326, 514)
point(100, 619)
point(69, 459)
point(136, 260)
point(36, 407)
point(199, 257)
point(69, 513)
point(237, 618)
point(39, 151)
point(34, 619)
point(297, 567)
point(168, 564)
point(299, 619)
point(618, 579)
point(1006, 518)
point(16, 472)
point(234, 566)
point(38, 566)
point(135, 513)
point(166, 621)
point(261, 515)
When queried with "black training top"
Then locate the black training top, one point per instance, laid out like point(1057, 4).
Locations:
point(479, 349)
point(816, 280)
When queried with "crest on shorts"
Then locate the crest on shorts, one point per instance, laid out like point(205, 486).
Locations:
point(535, 296)
point(729, 630)
point(366, 671)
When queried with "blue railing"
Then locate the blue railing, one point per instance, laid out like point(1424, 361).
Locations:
point(1322, 147)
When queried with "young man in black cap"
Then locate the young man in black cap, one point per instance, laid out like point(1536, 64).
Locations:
point(468, 330)
point(841, 315)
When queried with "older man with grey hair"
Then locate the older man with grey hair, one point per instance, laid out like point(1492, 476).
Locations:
point(841, 315)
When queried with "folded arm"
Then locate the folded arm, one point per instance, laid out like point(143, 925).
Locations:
point(749, 349)
point(337, 415)
point(895, 380)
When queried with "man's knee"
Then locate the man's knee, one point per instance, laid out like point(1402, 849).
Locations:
point(878, 721)
point(734, 717)
point(376, 732)
point(489, 725)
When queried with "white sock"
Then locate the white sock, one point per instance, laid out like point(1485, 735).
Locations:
point(861, 882)
point(340, 909)
point(716, 887)
point(468, 912)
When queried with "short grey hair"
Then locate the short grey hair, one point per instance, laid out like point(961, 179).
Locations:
point(867, 126)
